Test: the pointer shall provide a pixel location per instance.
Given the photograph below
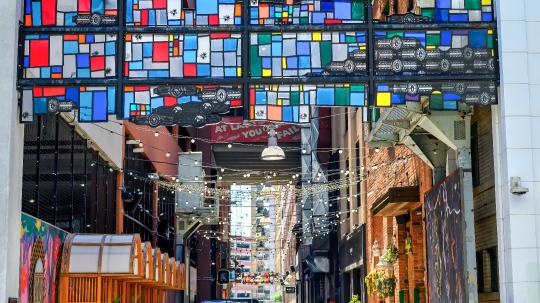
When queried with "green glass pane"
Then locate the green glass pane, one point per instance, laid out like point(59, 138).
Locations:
point(473, 4)
point(255, 62)
point(342, 96)
point(358, 10)
point(265, 38)
point(304, 20)
point(295, 98)
point(357, 88)
point(350, 39)
point(433, 40)
point(326, 52)
point(392, 34)
point(428, 12)
point(436, 102)
point(490, 41)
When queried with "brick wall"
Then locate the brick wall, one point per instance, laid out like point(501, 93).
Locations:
point(395, 167)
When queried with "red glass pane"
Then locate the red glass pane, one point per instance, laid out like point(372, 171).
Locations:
point(160, 52)
point(39, 53)
point(97, 63)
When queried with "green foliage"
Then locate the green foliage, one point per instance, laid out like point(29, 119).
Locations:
point(391, 254)
point(386, 286)
point(117, 300)
point(355, 299)
point(370, 279)
point(408, 245)
point(277, 297)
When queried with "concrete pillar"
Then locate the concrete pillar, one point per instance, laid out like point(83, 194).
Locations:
point(11, 153)
point(516, 121)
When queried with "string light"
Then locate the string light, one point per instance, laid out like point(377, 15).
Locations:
point(156, 134)
point(167, 154)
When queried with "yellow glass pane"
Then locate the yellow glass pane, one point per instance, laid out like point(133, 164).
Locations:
point(317, 36)
point(486, 2)
point(267, 72)
point(384, 99)
point(284, 60)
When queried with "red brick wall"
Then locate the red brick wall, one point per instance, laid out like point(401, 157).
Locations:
point(384, 169)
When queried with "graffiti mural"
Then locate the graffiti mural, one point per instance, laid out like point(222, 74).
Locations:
point(444, 239)
point(41, 245)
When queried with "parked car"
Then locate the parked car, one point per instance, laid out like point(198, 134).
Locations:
point(407, 18)
point(55, 106)
point(176, 91)
point(94, 19)
point(186, 114)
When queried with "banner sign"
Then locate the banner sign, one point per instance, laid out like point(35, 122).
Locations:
point(233, 130)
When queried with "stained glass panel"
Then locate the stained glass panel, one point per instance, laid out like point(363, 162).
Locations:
point(93, 103)
point(291, 103)
point(58, 56)
point(173, 13)
point(432, 11)
point(434, 52)
point(308, 12)
point(298, 54)
point(70, 13)
point(441, 95)
point(185, 105)
point(216, 55)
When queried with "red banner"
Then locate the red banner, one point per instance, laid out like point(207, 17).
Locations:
point(233, 130)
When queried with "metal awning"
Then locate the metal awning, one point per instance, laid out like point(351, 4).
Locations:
point(427, 133)
point(396, 201)
point(318, 264)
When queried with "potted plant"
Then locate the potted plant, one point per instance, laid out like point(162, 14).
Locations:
point(370, 279)
point(391, 254)
point(355, 299)
point(386, 286)
point(408, 245)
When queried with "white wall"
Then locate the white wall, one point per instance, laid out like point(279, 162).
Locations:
point(516, 122)
point(11, 153)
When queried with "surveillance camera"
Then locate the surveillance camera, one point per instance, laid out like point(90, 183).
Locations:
point(515, 187)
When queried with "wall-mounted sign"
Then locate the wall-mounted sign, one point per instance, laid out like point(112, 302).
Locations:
point(290, 290)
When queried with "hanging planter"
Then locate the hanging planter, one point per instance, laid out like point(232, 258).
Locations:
point(386, 286)
point(408, 245)
point(370, 280)
point(391, 254)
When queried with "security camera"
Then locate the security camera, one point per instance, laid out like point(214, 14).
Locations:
point(515, 187)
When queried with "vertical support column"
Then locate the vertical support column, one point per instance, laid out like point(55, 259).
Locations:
point(516, 121)
point(464, 162)
point(11, 153)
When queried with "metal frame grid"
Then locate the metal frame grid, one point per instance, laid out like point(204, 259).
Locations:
point(370, 78)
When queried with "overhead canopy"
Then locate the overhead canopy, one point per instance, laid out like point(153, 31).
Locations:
point(396, 201)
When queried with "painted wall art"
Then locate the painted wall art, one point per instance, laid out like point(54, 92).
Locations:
point(444, 241)
point(41, 246)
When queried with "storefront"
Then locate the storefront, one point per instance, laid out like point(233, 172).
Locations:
point(351, 255)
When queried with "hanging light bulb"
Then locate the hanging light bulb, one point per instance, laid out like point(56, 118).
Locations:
point(376, 149)
point(273, 151)
point(340, 151)
point(196, 162)
point(192, 140)
point(304, 150)
point(167, 154)
point(229, 146)
point(223, 169)
point(156, 134)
